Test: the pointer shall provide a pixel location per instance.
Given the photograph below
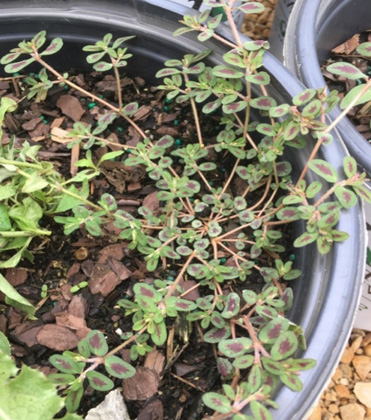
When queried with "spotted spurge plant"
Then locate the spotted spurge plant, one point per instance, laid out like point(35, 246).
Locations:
point(208, 231)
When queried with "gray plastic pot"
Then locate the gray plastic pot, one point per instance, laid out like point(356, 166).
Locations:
point(327, 293)
point(314, 28)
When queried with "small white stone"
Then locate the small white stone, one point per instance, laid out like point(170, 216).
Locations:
point(112, 408)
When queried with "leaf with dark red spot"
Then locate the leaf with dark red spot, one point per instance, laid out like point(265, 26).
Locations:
point(61, 379)
point(312, 109)
point(305, 239)
point(130, 109)
point(266, 311)
point(66, 364)
point(242, 172)
point(227, 72)
point(8, 58)
point(288, 213)
point(266, 129)
point(225, 367)
point(235, 347)
point(147, 291)
point(55, 45)
point(346, 197)
point(252, 7)
point(292, 381)
point(347, 70)
point(330, 219)
point(263, 102)
point(304, 97)
point(364, 49)
point(217, 402)
point(363, 192)
point(167, 72)
point(273, 329)
point(325, 138)
point(291, 130)
point(259, 411)
point(97, 343)
point(118, 368)
point(215, 335)
point(324, 244)
point(196, 69)
point(217, 320)
point(74, 396)
point(159, 333)
point(284, 346)
point(296, 365)
point(39, 39)
point(279, 111)
point(272, 366)
point(243, 362)
point(232, 57)
point(19, 65)
point(102, 66)
point(255, 378)
point(232, 306)
point(165, 142)
point(313, 189)
point(261, 78)
point(339, 236)
point(234, 107)
point(98, 381)
point(184, 305)
point(350, 166)
point(323, 169)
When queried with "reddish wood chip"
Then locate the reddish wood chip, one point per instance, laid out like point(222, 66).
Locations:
point(103, 280)
point(115, 251)
point(155, 360)
point(16, 276)
point(152, 202)
point(75, 324)
point(181, 369)
point(119, 269)
point(194, 294)
point(31, 125)
point(57, 337)
point(141, 386)
point(71, 107)
point(29, 336)
point(152, 411)
point(78, 307)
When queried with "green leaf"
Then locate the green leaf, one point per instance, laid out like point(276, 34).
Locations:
point(55, 45)
point(4, 345)
point(232, 306)
point(292, 381)
point(167, 72)
point(102, 66)
point(31, 396)
point(304, 97)
point(15, 299)
point(74, 397)
point(323, 169)
point(243, 362)
point(284, 346)
point(305, 239)
point(363, 192)
point(5, 224)
point(130, 109)
point(97, 343)
point(217, 402)
point(118, 368)
point(98, 381)
point(66, 364)
point(313, 189)
point(353, 93)
point(252, 7)
point(364, 49)
point(34, 183)
point(68, 202)
point(346, 197)
point(235, 347)
point(263, 102)
point(18, 66)
point(260, 412)
point(227, 72)
point(312, 109)
point(211, 106)
point(273, 330)
point(347, 70)
point(215, 335)
point(8, 58)
point(261, 78)
point(255, 378)
point(350, 166)
point(234, 107)
point(159, 334)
